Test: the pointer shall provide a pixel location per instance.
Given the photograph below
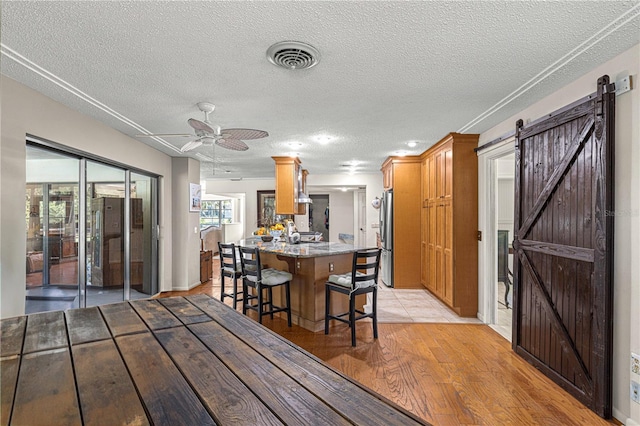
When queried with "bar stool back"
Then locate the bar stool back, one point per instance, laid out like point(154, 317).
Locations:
point(362, 279)
point(254, 276)
point(229, 268)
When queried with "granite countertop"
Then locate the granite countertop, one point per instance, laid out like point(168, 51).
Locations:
point(301, 249)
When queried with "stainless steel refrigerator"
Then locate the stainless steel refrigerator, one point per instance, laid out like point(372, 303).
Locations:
point(386, 237)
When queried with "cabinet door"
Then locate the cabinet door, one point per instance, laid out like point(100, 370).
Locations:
point(431, 248)
point(431, 177)
point(424, 169)
point(447, 251)
point(447, 171)
point(287, 171)
point(424, 246)
point(439, 165)
point(440, 220)
point(387, 176)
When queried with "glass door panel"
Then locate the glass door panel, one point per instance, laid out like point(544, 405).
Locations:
point(105, 234)
point(51, 213)
point(143, 242)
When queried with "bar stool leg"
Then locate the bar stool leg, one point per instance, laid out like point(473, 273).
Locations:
point(222, 286)
point(327, 302)
point(235, 291)
point(245, 297)
point(271, 301)
point(352, 319)
point(259, 289)
point(375, 313)
point(288, 296)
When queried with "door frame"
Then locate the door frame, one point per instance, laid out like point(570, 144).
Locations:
point(360, 224)
point(487, 221)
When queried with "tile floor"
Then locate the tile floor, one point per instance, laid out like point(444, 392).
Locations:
point(403, 305)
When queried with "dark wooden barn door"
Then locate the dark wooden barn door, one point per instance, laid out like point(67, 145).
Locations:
point(564, 246)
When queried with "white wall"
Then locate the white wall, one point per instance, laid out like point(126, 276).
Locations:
point(627, 206)
point(505, 193)
point(25, 111)
point(185, 224)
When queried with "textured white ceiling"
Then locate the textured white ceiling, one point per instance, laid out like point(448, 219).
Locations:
point(389, 72)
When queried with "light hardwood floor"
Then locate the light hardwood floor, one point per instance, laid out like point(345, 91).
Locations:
point(446, 373)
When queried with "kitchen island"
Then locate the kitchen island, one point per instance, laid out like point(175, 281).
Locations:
point(310, 264)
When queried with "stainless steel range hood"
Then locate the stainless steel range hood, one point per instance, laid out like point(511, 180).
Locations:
point(304, 198)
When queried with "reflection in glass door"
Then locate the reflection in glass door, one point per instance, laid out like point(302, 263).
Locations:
point(105, 234)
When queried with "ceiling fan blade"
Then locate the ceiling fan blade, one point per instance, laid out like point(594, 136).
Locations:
point(200, 125)
point(232, 144)
point(191, 145)
point(245, 133)
point(166, 135)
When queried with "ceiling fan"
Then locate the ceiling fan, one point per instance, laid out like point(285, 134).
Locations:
point(208, 134)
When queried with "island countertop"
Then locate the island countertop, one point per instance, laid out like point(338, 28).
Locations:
point(301, 249)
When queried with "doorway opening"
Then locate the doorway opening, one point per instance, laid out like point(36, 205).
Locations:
point(496, 217)
point(505, 167)
point(319, 215)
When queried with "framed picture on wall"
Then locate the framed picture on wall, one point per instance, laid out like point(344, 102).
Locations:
point(194, 197)
point(267, 209)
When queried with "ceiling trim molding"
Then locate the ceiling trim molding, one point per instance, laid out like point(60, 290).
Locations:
point(609, 29)
point(42, 72)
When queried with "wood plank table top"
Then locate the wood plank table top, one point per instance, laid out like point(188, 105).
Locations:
point(173, 361)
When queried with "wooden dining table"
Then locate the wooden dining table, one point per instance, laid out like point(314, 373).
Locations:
point(173, 361)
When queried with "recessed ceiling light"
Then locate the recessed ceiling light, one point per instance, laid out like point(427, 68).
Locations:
point(412, 144)
point(323, 139)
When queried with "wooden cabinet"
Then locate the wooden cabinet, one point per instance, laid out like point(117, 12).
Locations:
point(404, 173)
point(387, 173)
point(449, 246)
point(290, 182)
point(206, 265)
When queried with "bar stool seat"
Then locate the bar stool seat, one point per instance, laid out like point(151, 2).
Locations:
point(362, 279)
point(254, 276)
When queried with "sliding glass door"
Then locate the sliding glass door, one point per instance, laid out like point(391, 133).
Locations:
point(92, 246)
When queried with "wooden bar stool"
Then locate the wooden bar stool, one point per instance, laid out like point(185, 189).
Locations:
point(362, 279)
point(262, 279)
point(229, 268)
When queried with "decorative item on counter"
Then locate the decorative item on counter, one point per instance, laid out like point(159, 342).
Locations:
point(270, 232)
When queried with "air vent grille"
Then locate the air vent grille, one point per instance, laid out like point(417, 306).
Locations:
point(293, 55)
